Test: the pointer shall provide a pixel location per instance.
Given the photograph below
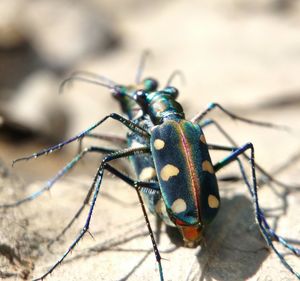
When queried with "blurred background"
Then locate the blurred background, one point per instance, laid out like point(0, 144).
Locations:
point(242, 54)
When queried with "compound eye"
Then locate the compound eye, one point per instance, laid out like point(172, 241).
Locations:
point(119, 91)
point(150, 84)
point(141, 96)
point(171, 91)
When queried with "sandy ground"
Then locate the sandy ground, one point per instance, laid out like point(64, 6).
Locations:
point(248, 63)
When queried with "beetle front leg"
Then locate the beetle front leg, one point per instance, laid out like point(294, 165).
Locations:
point(106, 137)
point(128, 123)
point(233, 116)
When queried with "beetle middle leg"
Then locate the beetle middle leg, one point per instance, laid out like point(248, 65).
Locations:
point(268, 233)
point(268, 176)
point(49, 184)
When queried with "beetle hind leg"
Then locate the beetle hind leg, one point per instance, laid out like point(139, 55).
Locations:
point(268, 233)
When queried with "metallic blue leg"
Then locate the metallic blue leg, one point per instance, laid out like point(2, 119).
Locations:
point(96, 186)
point(106, 137)
point(151, 186)
point(267, 232)
point(229, 148)
point(212, 106)
point(269, 178)
point(61, 173)
point(129, 124)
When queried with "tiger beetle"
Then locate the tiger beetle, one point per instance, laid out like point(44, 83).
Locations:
point(183, 186)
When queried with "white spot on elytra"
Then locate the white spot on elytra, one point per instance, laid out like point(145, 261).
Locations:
point(147, 173)
point(213, 201)
point(178, 206)
point(168, 171)
point(160, 206)
point(159, 144)
point(207, 167)
point(202, 139)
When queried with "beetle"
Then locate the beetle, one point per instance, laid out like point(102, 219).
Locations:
point(186, 188)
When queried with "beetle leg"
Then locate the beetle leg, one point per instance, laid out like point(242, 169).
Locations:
point(138, 185)
point(153, 186)
point(96, 187)
point(60, 174)
point(213, 105)
point(129, 124)
point(268, 177)
point(106, 137)
point(267, 232)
